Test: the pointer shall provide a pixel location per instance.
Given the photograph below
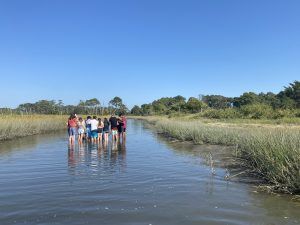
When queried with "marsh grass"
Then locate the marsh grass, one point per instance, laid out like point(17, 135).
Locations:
point(12, 126)
point(271, 152)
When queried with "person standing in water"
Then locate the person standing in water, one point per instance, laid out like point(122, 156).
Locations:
point(114, 127)
point(100, 130)
point(106, 129)
point(120, 127)
point(81, 130)
point(124, 121)
point(72, 128)
point(94, 129)
point(88, 128)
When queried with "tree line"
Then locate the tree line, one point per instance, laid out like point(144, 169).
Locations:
point(90, 106)
point(248, 105)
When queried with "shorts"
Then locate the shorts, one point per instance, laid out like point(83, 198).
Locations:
point(72, 131)
point(80, 131)
point(88, 132)
point(100, 130)
point(120, 129)
point(124, 129)
point(106, 131)
point(114, 132)
point(94, 133)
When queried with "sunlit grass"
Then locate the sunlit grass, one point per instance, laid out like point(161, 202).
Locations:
point(12, 126)
point(272, 152)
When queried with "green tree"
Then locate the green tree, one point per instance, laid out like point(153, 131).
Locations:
point(146, 109)
point(159, 107)
point(116, 102)
point(292, 92)
point(178, 103)
point(92, 105)
point(247, 98)
point(270, 99)
point(118, 106)
point(136, 110)
point(217, 101)
point(194, 105)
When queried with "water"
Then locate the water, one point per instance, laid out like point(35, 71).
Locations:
point(148, 180)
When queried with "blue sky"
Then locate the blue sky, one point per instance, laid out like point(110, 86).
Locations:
point(142, 50)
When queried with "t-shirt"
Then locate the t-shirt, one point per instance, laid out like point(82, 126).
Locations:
point(94, 124)
point(113, 122)
point(124, 122)
point(81, 125)
point(88, 123)
point(106, 126)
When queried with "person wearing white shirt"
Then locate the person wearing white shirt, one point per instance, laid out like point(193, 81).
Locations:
point(94, 129)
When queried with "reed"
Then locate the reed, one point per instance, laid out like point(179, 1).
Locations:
point(13, 126)
point(271, 152)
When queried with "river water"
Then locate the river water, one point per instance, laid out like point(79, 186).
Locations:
point(146, 180)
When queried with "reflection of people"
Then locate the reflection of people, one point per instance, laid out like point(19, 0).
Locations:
point(71, 158)
point(114, 146)
point(110, 153)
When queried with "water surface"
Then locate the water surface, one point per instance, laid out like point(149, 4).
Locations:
point(146, 180)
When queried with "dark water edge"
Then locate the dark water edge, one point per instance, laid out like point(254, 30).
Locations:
point(147, 180)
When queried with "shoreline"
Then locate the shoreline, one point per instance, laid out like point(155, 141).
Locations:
point(16, 126)
point(271, 154)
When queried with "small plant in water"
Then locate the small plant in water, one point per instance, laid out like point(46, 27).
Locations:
point(211, 162)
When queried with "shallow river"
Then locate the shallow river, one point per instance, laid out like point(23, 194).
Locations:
point(146, 180)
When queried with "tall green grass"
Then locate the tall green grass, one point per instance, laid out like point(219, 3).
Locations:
point(272, 152)
point(12, 126)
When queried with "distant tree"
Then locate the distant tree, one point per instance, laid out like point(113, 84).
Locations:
point(292, 92)
point(60, 106)
point(168, 104)
point(116, 102)
point(90, 106)
point(118, 106)
point(27, 108)
point(269, 99)
point(217, 101)
point(46, 107)
point(179, 103)
point(247, 98)
point(136, 110)
point(146, 109)
point(159, 107)
point(287, 103)
point(194, 105)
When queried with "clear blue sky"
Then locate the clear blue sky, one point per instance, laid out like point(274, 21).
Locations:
point(142, 50)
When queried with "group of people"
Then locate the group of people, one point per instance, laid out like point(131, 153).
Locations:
point(96, 130)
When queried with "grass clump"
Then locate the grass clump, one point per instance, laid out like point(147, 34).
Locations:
point(13, 126)
point(272, 152)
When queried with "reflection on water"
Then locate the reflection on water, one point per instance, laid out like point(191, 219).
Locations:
point(28, 143)
point(147, 180)
point(97, 157)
